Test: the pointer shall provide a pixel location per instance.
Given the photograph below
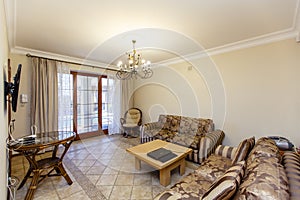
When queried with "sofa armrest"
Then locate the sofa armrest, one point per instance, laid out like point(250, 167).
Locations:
point(209, 143)
point(291, 163)
point(148, 131)
point(150, 126)
point(226, 151)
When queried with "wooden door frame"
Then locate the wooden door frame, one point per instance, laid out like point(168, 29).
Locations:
point(94, 133)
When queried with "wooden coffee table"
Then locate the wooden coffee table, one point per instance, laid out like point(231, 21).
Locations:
point(140, 153)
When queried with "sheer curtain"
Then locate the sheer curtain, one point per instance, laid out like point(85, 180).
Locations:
point(114, 103)
point(65, 98)
point(44, 102)
point(119, 92)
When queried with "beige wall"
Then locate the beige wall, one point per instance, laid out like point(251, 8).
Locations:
point(261, 91)
point(3, 115)
point(178, 89)
point(22, 116)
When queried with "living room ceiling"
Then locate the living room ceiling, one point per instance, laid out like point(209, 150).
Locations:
point(101, 31)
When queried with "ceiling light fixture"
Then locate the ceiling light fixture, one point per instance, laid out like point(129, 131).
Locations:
point(136, 66)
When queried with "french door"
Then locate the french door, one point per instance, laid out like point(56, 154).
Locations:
point(84, 102)
point(88, 104)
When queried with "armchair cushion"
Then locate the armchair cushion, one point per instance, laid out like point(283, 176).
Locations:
point(132, 120)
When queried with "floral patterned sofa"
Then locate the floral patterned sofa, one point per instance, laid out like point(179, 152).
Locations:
point(195, 133)
point(234, 173)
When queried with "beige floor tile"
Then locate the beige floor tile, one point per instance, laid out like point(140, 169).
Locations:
point(105, 156)
point(124, 180)
point(47, 196)
point(105, 190)
point(109, 170)
point(107, 179)
point(93, 178)
point(84, 169)
point(141, 192)
point(120, 192)
point(142, 179)
point(77, 161)
point(68, 190)
point(88, 162)
point(78, 195)
point(96, 170)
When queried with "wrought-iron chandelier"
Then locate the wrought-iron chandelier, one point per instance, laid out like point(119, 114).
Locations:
point(136, 66)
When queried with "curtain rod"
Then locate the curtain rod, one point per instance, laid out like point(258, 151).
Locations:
point(74, 63)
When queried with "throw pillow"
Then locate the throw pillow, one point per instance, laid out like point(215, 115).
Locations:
point(242, 150)
point(225, 187)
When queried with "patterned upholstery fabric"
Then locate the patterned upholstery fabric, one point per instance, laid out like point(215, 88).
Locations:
point(191, 186)
point(243, 150)
point(185, 131)
point(265, 147)
point(213, 167)
point(209, 143)
point(225, 151)
point(291, 162)
point(265, 176)
point(198, 182)
point(226, 185)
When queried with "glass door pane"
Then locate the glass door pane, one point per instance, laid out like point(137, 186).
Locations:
point(87, 104)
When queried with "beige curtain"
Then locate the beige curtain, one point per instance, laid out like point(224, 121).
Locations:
point(126, 95)
point(44, 95)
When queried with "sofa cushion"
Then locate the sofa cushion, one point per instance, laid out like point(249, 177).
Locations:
point(243, 150)
point(264, 179)
point(188, 125)
point(265, 176)
point(225, 186)
point(186, 140)
point(190, 187)
point(165, 135)
point(213, 167)
point(205, 126)
point(170, 122)
point(226, 151)
point(265, 147)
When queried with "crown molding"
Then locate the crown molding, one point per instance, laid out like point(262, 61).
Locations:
point(252, 42)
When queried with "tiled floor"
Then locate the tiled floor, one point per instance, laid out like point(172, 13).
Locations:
point(100, 168)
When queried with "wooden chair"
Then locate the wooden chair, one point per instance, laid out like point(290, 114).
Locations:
point(131, 122)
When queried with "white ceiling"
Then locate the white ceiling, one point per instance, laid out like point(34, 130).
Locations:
point(99, 31)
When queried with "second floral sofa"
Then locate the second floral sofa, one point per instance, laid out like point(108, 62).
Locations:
point(195, 133)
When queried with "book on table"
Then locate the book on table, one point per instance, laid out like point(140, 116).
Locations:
point(161, 154)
